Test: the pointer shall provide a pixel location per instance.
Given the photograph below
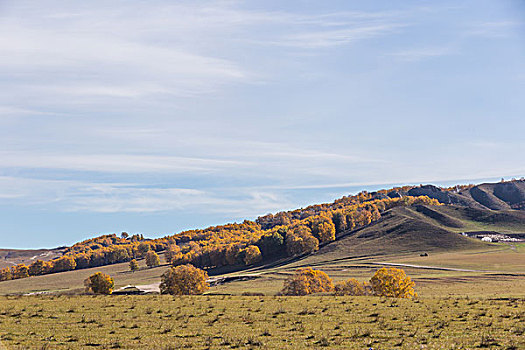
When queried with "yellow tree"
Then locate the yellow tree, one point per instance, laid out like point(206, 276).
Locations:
point(5, 274)
point(300, 241)
point(38, 267)
point(152, 259)
point(392, 282)
point(19, 271)
point(323, 229)
point(133, 265)
point(307, 281)
point(184, 280)
point(99, 283)
point(252, 255)
point(173, 254)
point(64, 263)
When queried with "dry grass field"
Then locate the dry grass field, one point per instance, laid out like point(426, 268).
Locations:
point(229, 322)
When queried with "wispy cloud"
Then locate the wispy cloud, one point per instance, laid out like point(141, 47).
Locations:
point(104, 197)
point(113, 163)
point(495, 29)
point(418, 54)
point(336, 37)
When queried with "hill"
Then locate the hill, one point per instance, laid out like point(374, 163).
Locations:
point(385, 223)
point(12, 257)
point(495, 196)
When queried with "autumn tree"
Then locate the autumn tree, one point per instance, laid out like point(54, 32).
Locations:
point(99, 283)
point(5, 274)
point(351, 287)
point(307, 281)
point(64, 263)
point(392, 282)
point(152, 259)
point(323, 229)
point(271, 244)
point(173, 254)
point(252, 255)
point(184, 280)
point(300, 241)
point(19, 271)
point(143, 248)
point(133, 265)
point(38, 268)
point(339, 220)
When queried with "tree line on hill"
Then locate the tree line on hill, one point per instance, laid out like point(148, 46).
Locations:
point(290, 233)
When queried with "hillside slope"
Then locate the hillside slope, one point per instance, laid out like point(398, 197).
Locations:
point(495, 196)
point(400, 230)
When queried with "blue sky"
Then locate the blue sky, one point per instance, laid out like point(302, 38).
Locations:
point(159, 116)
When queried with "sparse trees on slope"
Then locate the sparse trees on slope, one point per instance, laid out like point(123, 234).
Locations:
point(99, 283)
point(392, 282)
point(184, 280)
point(307, 281)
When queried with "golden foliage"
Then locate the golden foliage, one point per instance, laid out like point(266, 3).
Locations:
point(173, 253)
point(19, 271)
point(5, 274)
point(352, 287)
point(307, 281)
point(301, 230)
point(299, 241)
point(133, 265)
point(252, 255)
point(99, 283)
point(152, 259)
point(184, 280)
point(392, 282)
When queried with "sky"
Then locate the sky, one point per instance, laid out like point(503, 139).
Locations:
point(159, 116)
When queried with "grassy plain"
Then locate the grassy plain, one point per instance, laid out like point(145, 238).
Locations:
point(226, 322)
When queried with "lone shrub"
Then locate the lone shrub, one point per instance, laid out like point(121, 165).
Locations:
point(352, 287)
point(133, 265)
point(99, 283)
point(152, 259)
point(392, 282)
point(307, 281)
point(184, 280)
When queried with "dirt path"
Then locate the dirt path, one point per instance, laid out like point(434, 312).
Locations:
point(433, 267)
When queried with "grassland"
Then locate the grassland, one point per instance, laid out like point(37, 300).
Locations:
point(471, 295)
point(218, 322)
